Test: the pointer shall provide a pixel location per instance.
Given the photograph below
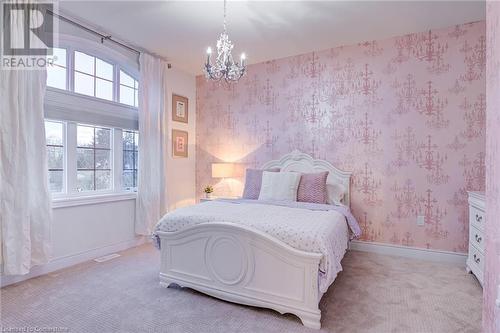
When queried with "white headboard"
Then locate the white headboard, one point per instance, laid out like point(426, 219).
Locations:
point(301, 162)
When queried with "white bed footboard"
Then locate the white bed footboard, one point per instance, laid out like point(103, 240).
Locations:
point(243, 265)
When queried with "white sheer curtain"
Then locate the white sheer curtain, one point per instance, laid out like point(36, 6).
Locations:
point(25, 212)
point(151, 189)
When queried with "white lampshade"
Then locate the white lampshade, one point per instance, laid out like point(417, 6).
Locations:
point(224, 170)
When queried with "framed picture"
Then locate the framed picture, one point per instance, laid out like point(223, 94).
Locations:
point(179, 108)
point(179, 143)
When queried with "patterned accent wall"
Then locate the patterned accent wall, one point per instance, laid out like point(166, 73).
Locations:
point(406, 115)
point(491, 314)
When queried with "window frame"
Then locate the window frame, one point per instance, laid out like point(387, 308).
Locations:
point(72, 108)
point(70, 167)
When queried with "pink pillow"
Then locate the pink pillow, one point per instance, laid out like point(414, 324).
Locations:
point(312, 188)
point(253, 182)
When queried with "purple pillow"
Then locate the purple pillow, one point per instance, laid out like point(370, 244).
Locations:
point(312, 188)
point(253, 182)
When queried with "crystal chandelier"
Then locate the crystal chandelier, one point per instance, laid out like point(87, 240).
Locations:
point(225, 67)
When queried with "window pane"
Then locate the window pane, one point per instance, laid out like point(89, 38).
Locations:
point(53, 133)
point(128, 159)
point(56, 77)
point(104, 70)
point(102, 180)
point(136, 84)
point(55, 154)
point(55, 157)
point(126, 79)
point(104, 89)
point(85, 181)
point(96, 156)
point(102, 159)
point(102, 137)
point(84, 84)
point(85, 158)
point(126, 95)
point(136, 101)
point(128, 140)
point(56, 181)
point(84, 63)
point(128, 179)
point(59, 56)
point(85, 136)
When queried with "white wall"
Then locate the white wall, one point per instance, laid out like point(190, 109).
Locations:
point(80, 229)
point(181, 171)
point(84, 232)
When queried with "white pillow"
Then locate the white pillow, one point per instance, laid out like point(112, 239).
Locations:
point(280, 186)
point(335, 193)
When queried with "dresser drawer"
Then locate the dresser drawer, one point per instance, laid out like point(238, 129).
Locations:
point(476, 260)
point(477, 217)
point(476, 238)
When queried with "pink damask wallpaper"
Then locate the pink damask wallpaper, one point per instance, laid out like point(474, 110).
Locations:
point(406, 115)
point(491, 315)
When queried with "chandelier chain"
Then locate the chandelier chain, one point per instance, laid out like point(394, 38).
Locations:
point(224, 15)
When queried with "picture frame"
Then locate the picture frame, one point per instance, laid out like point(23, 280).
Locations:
point(180, 108)
point(180, 143)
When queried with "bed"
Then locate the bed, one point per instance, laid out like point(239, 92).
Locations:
point(281, 256)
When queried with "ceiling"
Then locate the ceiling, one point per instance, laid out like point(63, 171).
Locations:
point(181, 30)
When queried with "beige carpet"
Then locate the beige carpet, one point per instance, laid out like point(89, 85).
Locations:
point(375, 293)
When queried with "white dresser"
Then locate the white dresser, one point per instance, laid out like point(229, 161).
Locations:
point(475, 260)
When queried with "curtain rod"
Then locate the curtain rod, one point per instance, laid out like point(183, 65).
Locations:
point(102, 36)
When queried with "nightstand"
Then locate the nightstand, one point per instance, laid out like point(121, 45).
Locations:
point(213, 198)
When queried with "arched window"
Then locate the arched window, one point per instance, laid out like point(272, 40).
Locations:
point(97, 74)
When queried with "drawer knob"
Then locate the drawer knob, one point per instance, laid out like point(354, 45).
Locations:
point(478, 239)
point(477, 259)
point(479, 218)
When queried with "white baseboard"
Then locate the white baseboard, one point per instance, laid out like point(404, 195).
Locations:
point(409, 252)
point(64, 262)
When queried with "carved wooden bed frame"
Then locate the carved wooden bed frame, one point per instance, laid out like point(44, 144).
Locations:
point(244, 265)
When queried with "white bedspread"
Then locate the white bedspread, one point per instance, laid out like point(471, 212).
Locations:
point(324, 232)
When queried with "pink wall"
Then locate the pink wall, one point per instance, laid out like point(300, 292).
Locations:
point(491, 315)
point(406, 115)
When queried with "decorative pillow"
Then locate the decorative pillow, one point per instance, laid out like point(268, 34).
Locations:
point(280, 186)
point(312, 187)
point(336, 193)
point(253, 180)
